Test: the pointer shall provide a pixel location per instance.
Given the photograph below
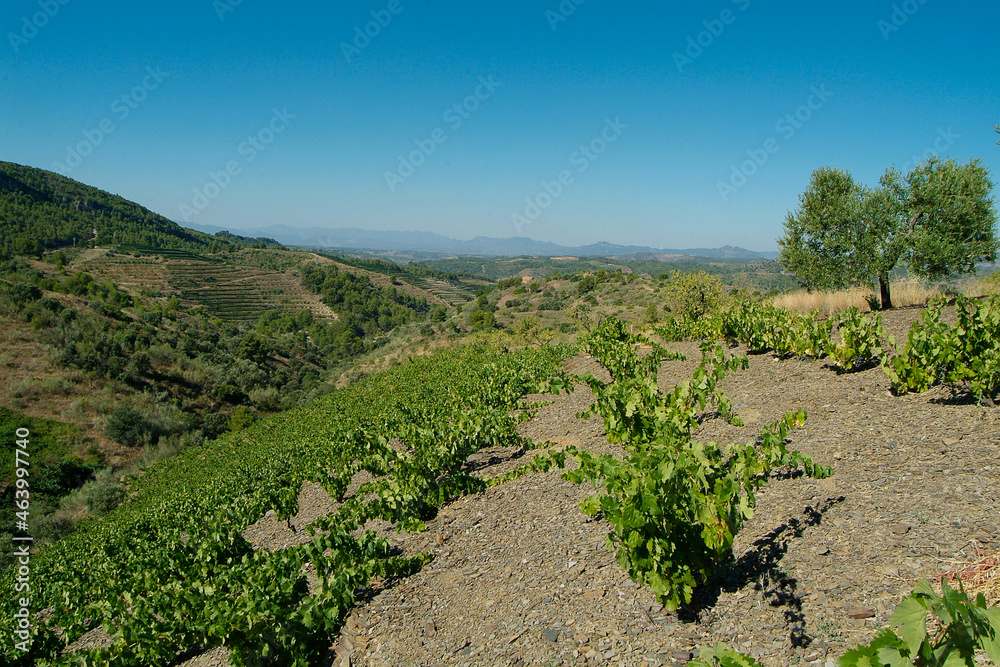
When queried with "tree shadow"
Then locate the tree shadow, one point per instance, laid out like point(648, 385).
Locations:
point(760, 566)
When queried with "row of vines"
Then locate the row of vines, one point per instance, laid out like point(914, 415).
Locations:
point(169, 571)
point(674, 505)
point(964, 355)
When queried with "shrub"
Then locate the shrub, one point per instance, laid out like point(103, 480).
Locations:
point(153, 318)
point(482, 319)
point(140, 364)
point(59, 478)
point(230, 394)
point(214, 425)
point(126, 426)
point(104, 496)
point(242, 418)
point(53, 527)
point(438, 313)
point(691, 296)
point(253, 348)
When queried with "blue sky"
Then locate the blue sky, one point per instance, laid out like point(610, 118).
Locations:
point(662, 124)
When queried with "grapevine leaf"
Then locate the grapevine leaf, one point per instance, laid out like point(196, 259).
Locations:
point(910, 618)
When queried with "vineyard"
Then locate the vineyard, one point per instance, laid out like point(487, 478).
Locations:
point(171, 573)
point(170, 570)
point(237, 288)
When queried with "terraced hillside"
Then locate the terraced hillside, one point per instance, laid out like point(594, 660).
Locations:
point(233, 287)
point(435, 290)
point(240, 286)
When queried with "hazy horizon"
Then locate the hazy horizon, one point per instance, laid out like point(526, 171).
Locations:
point(565, 121)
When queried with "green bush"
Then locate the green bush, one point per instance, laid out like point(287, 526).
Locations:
point(241, 419)
point(482, 319)
point(53, 527)
point(104, 496)
point(692, 296)
point(127, 426)
point(214, 425)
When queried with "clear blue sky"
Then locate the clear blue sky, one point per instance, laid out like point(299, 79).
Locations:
point(887, 95)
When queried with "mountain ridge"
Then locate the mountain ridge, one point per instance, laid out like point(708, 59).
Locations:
point(41, 210)
point(351, 238)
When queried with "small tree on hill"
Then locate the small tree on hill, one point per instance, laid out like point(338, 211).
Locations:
point(691, 296)
point(938, 220)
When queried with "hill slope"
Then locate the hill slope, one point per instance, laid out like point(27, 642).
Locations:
point(42, 210)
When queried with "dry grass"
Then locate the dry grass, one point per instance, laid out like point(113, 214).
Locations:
point(904, 293)
point(979, 576)
point(990, 285)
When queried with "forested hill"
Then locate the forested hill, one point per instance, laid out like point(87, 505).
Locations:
point(41, 210)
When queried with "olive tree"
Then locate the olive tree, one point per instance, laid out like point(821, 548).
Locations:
point(938, 220)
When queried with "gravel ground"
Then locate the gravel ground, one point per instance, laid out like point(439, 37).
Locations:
point(522, 577)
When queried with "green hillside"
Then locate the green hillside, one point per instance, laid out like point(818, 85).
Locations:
point(41, 210)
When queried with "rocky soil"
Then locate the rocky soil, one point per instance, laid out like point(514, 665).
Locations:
point(522, 577)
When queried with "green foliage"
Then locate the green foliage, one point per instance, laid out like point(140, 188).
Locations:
point(762, 327)
point(965, 354)
point(127, 426)
point(962, 626)
point(170, 568)
point(438, 313)
point(938, 220)
point(674, 505)
point(214, 425)
point(692, 296)
point(253, 348)
point(860, 340)
point(105, 496)
point(482, 319)
point(241, 419)
point(818, 243)
point(41, 210)
point(722, 656)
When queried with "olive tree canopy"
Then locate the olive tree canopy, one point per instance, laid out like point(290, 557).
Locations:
point(938, 220)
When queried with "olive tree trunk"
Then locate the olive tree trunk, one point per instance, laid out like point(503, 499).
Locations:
point(885, 295)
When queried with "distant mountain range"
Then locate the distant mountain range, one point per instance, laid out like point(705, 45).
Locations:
point(362, 239)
